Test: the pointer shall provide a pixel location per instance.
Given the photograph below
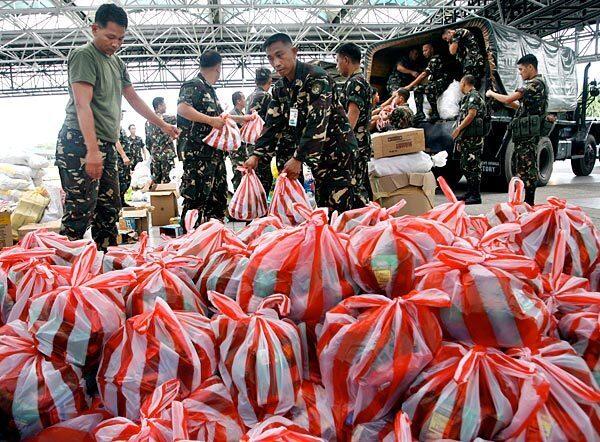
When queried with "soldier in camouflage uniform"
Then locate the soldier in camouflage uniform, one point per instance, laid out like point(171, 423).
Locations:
point(468, 136)
point(356, 99)
point(134, 147)
point(438, 78)
point(532, 108)
point(464, 46)
point(204, 181)
point(123, 165)
point(306, 124)
point(402, 116)
point(85, 150)
point(239, 156)
point(160, 145)
point(258, 102)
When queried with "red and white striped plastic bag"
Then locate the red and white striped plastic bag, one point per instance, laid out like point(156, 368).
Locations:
point(539, 230)
point(24, 273)
point(565, 293)
point(384, 430)
point(499, 238)
point(228, 138)
point(288, 197)
point(122, 257)
point(223, 272)
point(383, 257)
point(370, 215)
point(516, 206)
point(149, 349)
point(572, 408)
point(454, 216)
point(313, 411)
point(37, 391)
point(260, 356)
point(494, 296)
point(279, 429)
point(164, 276)
point(370, 350)
point(252, 233)
point(204, 241)
point(249, 200)
point(469, 392)
point(383, 122)
point(212, 414)
point(252, 129)
point(162, 419)
point(66, 251)
point(309, 264)
point(74, 321)
point(582, 330)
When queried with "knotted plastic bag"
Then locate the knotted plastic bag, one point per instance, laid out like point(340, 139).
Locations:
point(313, 411)
point(288, 197)
point(249, 200)
point(252, 129)
point(370, 215)
point(148, 349)
point(228, 138)
point(223, 272)
point(75, 320)
point(260, 356)
point(370, 350)
point(279, 429)
point(120, 257)
point(309, 264)
point(494, 296)
point(252, 234)
point(582, 330)
point(516, 206)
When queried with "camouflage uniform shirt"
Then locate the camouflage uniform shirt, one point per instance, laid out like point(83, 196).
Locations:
point(322, 136)
point(397, 79)
point(258, 101)
point(401, 117)
point(469, 54)
point(133, 148)
point(471, 147)
point(158, 142)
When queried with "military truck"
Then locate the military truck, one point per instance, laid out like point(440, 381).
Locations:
point(573, 136)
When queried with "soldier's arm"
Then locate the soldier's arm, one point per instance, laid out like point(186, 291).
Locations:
point(185, 108)
point(122, 153)
point(468, 120)
point(453, 48)
point(315, 130)
point(356, 98)
point(144, 110)
point(401, 68)
point(510, 100)
point(417, 81)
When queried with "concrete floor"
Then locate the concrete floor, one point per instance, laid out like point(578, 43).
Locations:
point(581, 191)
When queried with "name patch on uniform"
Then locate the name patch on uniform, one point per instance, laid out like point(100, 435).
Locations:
point(293, 122)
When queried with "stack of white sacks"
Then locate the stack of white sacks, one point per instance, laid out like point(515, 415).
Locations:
point(418, 162)
point(20, 172)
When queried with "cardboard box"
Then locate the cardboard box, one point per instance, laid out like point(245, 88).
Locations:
point(397, 142)
point(164, 203)
point(135, 219)
point(171, 230)
point(6, 239)
point(52, 226)
point(418, 189)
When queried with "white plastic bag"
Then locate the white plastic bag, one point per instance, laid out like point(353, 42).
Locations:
point(8, 183)
point(141, 175)
point(418, 162)
point(14, 156)
point(16, 172)
point(54, 210)
point(448, 103)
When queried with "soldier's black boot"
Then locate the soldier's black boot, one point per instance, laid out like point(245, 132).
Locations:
point(420, 115)
point(435, 116)
point(465, 196)
point(530, 196)
point(473, 196)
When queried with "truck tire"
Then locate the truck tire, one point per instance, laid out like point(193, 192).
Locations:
point(545, 158)
point(584, 166)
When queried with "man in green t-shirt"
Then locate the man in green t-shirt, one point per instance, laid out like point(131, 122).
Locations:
point(85, 151)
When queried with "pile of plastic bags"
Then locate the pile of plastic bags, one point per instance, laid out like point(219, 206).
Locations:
point(363, 327)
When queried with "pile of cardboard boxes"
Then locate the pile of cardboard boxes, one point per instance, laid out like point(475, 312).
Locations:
point(418, 189)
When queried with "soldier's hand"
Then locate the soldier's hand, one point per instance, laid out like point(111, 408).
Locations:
point(126, 160)
point(93, 164)
point(489, 93)
point(247, 118)
point(455, 133)
point(293, 168)
point(251, 163)
point(414, 74)
point(171, 130)
point(217, 122)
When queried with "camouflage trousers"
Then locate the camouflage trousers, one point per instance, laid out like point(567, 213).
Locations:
point(237, 159)
point(525, 161)
point(471, 150)
point(160, 166)
point(124, 179)
point(363, 190)
point(204, 182)
point(87, 201)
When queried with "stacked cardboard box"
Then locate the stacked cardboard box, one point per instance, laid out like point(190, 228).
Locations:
point(417, 189)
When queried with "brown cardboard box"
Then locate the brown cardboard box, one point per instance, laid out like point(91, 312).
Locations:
point(418, 189)
point(6, 239)
point(165, 206)
point(135, 219)
point(397, 142)
point(52, 226)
